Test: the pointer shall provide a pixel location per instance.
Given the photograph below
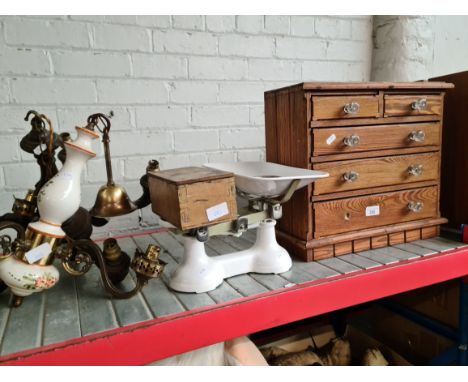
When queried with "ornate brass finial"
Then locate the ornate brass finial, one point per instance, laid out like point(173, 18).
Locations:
point(148, 263)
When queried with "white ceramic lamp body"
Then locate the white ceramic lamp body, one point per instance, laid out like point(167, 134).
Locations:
point(25, 279)
point(60, 197)
point(57, 200)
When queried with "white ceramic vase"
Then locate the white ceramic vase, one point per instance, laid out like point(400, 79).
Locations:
point(60, 197)
point(25, 279)
point(57, 200)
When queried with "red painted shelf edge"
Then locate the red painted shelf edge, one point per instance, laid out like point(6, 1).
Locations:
point(149, 341)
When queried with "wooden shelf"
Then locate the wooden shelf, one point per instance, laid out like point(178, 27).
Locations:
point(77, 324)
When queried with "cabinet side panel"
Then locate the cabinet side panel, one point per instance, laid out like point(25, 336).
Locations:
point(454, 163)
point(271, 138)
point(283, 131)
point(300, 154)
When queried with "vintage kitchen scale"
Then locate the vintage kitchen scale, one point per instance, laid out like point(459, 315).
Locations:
point(201, 202)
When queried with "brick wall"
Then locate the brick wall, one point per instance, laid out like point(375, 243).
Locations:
point(411, 48)
point(184, 89)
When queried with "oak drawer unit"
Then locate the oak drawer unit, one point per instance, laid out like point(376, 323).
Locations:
point(380, 143)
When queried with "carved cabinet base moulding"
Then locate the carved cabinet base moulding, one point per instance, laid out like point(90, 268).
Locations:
point(381, 144)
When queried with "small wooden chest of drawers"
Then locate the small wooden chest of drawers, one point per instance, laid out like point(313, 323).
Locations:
point(380, 143)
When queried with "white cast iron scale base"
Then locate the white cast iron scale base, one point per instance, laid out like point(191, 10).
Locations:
point(200, 273)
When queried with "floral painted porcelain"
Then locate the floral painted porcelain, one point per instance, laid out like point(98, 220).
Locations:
point(57, 200)
point(25, 279)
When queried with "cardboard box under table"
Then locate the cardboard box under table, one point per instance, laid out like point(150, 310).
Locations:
point(193, 197)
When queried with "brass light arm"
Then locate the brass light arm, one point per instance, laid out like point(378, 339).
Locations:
point(93, 121)
point(38, 136)
point(20, 231)
point(146, 266)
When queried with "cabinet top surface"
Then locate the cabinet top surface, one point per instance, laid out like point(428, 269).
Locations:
point(370, 85)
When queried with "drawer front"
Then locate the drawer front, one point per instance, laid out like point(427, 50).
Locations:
point(351, 214)
point(339, 107)
point(400, 105)
point(377, 172)
point(379, 137)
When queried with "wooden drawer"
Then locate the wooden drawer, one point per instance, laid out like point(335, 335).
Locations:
point(340, 140)
point(377, 172)
point(400, 105)
point(352, 214)
point(338, 107)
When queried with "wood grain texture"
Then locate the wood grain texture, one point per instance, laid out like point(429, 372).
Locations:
point(428, 232)
point(379, 241)
point(293, 149)
point(371, 191)
point(271, 128)
point(429, 85)
point(309, 119)
point(343, 248)
point(377, 137)
point(185, 205)
point(412, 235)
point(323, 252)
point(454, 203)
point(396, 105)
point(377, 172)
point(346, 215)
point(284, 144)
point(300, 137)
point(396, 238)
point(372, 154)
point(361, 239)
point(373, 121)
point(330, 107)
point(361, 244)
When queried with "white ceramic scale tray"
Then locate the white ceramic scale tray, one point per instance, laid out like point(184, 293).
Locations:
point(199, 272)
point(266, 179)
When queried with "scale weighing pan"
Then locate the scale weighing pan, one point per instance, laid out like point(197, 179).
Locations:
point(266, 179)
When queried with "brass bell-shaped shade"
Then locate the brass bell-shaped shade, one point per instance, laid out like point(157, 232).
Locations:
point(112, 200)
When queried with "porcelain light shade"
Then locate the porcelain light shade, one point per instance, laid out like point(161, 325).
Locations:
point(60, 197)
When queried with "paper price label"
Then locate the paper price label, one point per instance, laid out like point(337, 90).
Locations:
point(217, 211)
point(372, 210)
point(38, 253)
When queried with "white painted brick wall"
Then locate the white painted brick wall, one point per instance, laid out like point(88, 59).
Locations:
point(409, 48)
point(403, 48)
point(184, 89)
